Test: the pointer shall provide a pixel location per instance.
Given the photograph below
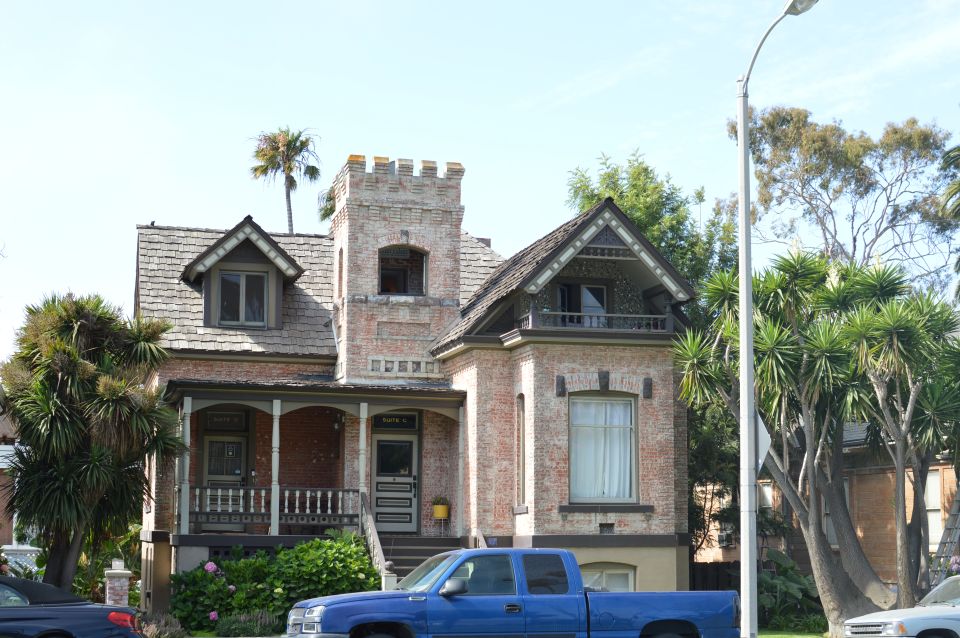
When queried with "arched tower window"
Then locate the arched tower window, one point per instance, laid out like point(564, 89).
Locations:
point(403, 271)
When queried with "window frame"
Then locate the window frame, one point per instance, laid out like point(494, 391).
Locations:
point(937, 508)
point(521, 450)
point(425, 264)
point(634, 438)
point(243, 323)
point(605, 569)
point(463, 563)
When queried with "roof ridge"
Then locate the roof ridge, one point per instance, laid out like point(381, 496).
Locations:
point(225, 230)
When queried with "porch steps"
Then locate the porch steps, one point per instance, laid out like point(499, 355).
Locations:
point(408, 551)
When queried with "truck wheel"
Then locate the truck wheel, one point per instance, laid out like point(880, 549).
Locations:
point(381, 636)
point(668, 636)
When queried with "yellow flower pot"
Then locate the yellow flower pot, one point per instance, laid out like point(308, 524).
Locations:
point(441, 511)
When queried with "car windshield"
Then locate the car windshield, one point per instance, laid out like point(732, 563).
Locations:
point(947, 593)
point(424, 576)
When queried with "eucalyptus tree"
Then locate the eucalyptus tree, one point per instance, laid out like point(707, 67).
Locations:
point(828, 351)
point(864, 198)
point(287, 153)
point(78, 389)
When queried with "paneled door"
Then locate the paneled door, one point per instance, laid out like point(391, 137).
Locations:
point(225, 466)
point(395, 489)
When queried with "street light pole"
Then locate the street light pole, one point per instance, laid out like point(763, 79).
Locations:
point(748, 415)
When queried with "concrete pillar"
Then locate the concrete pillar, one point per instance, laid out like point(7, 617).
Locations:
point(458, 528)
point(275, 472)
point(117, 584)
point(362, 450)
point(185, 467)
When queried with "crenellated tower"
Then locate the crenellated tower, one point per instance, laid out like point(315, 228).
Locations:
point(396, 267)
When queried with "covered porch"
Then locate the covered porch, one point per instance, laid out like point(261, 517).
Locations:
point(268, 460)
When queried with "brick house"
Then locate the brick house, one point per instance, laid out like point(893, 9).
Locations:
point(348, 380)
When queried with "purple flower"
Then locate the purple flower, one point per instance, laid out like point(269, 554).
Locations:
point(213, 615)
point(210, 568)
point(231, 588)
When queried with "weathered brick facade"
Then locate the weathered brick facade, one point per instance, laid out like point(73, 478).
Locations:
point(427, 324)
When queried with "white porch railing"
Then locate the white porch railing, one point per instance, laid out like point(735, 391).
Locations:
point(214, 507)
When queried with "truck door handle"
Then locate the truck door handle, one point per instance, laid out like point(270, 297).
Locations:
point(511, 608)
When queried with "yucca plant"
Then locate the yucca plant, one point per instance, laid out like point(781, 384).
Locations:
point(87, 421)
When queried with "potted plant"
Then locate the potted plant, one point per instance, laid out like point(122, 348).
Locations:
point(441, 508)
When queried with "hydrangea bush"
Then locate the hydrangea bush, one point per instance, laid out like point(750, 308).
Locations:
point(321, 567)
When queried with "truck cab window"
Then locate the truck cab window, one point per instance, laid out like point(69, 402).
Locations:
point(546, 574)
point(487, 575)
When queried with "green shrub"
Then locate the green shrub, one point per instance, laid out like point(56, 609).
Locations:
point(786, 597)
point(211, 593)
point(259, 623)
point(162, 626)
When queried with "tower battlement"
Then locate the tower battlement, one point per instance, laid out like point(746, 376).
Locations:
point(393, 183)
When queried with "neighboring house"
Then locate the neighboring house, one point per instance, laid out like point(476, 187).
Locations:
point(348, 380)
point(869, 481)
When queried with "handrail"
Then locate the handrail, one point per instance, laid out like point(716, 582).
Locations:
point(369, 531)
point(481, 540)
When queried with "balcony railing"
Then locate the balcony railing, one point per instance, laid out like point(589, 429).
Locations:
point(590, 321)
point(212, 507)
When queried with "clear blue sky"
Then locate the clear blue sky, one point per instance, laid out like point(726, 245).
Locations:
point(114, 114)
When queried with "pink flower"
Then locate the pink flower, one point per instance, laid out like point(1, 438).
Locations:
point(231, 588)
point(213, 615)
point(210, 568)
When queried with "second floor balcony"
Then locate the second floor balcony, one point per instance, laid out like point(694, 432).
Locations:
point(600, 321)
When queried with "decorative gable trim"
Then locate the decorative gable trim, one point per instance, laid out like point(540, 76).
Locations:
point(610, 216)
point(245, 230)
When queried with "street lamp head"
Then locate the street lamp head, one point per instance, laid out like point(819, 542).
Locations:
point(796, 7)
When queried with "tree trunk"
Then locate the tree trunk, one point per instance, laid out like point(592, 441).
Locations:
point(840, 597)
point(55, 559)
point(71, 559)
point(918, 534)
point(854, 561)
point(906, 596)
point(286, 189)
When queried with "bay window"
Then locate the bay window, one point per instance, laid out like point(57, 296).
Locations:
point(602, 449)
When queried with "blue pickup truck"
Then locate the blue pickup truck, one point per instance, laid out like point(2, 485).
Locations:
point(513, 593)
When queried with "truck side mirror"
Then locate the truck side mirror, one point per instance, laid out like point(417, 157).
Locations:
point(454, 587)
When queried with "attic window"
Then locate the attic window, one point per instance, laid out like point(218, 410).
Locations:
point(243, 299)
point(402, 271)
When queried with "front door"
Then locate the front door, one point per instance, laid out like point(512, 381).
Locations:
point(225, 464)
point(395, 502)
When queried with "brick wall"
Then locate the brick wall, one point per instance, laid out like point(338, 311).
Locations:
point(235, 370)
point(438, 469)
point(490, 412)
point(390, 206)
point(6, 522)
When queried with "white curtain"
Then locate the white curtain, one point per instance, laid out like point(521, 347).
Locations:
point(601, 449)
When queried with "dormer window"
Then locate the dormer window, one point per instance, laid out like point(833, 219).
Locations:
point(402, 271)
point(243, 299)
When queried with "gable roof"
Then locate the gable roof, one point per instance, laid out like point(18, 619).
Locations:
point(247, 229)
point(532, 267)
point(163, 252)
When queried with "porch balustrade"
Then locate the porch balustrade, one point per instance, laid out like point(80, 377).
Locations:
point(593, 321)
point(217, 508)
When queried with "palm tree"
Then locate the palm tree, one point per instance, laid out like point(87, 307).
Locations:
point(289, 153)
point(87, 422)
point(951, 196)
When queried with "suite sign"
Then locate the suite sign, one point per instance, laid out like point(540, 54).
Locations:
point(395, 422)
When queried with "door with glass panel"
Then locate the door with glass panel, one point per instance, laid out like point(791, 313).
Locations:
point(602, 450)
point(225, 462)
point(395, 500)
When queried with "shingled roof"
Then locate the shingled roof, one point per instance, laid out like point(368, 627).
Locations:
point(164, 251)
point(515, 272)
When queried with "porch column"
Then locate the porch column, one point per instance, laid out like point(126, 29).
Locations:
point(460, 437)
point(275, 472)
point(362, 450)
point(185, 467)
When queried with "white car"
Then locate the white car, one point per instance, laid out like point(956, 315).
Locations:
point(936, 616)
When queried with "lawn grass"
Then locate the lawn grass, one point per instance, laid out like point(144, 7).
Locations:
point(785, 634)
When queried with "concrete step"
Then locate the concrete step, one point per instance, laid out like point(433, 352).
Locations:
point(408, 551)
